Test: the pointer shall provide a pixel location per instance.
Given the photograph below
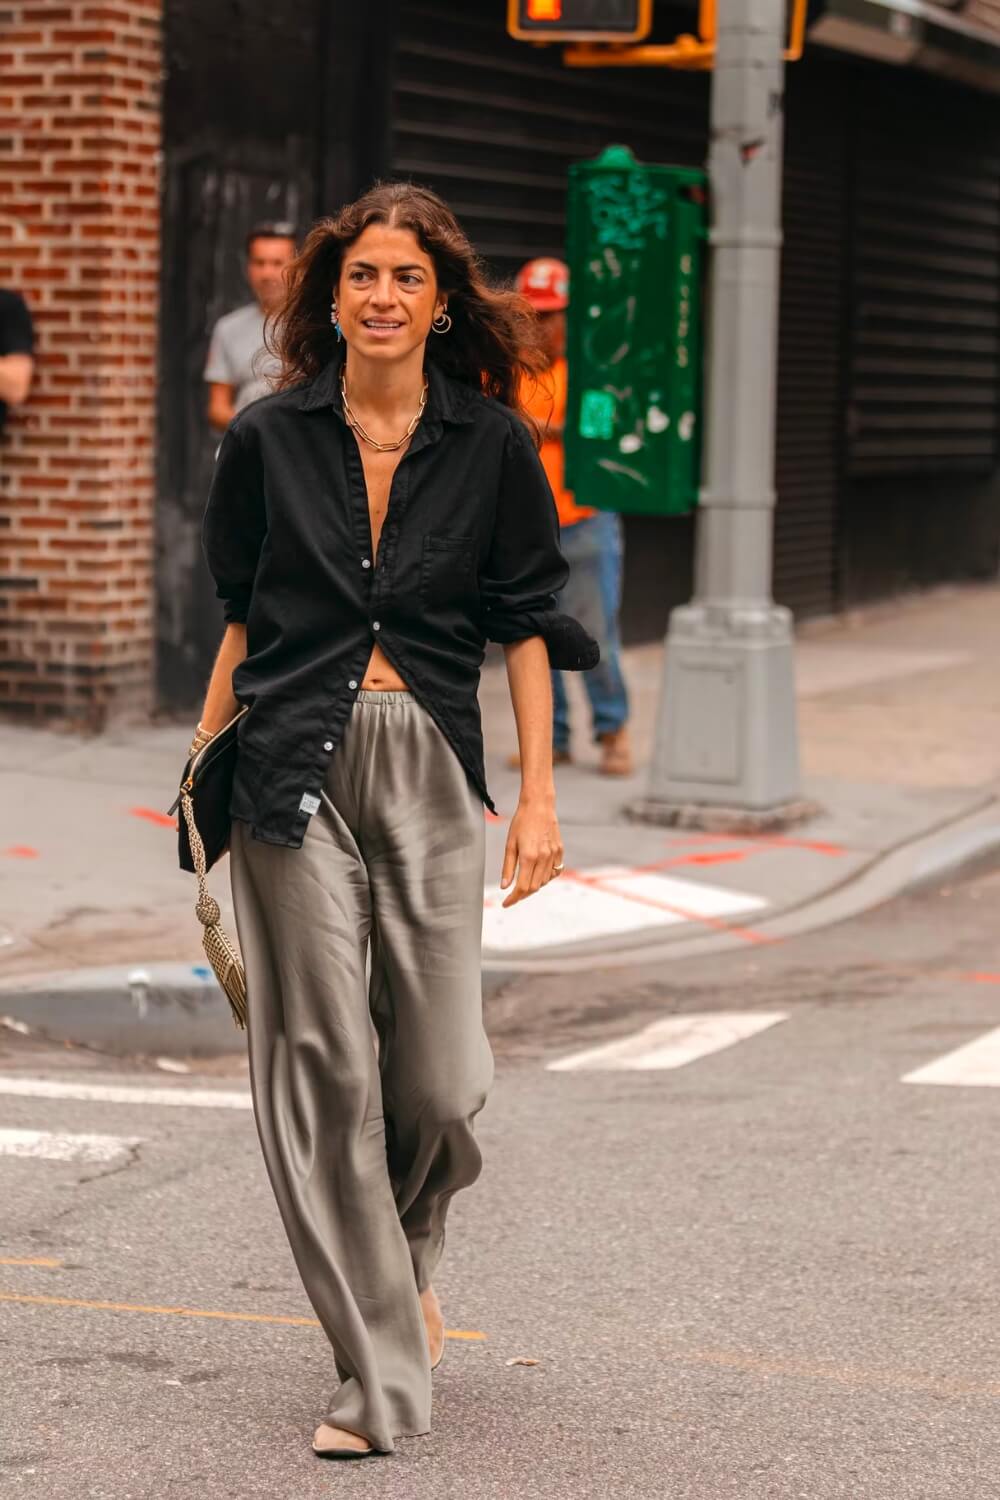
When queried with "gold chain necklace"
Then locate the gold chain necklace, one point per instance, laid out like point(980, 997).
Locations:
point(352, 421)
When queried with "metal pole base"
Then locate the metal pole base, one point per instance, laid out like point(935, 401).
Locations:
point(728, 820)
point(726, 745)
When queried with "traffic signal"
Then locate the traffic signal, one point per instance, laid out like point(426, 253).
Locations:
point(579, 20)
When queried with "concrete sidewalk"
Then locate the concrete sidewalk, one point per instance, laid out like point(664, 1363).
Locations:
point(900, 729)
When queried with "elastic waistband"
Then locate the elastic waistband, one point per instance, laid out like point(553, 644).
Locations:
point(384, 700)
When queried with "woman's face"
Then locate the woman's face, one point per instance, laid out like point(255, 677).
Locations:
point(387, 296)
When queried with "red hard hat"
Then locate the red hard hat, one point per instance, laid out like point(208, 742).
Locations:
point(545, 283)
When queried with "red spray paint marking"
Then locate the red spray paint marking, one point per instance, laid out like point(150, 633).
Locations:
point(723, 857)
point(603, 885)
point(162, 820)
point(814, 846)
point(21, 851)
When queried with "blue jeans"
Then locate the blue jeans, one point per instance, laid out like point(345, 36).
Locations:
point(595, 553)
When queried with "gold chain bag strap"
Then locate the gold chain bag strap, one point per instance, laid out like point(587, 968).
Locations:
point(222, 952)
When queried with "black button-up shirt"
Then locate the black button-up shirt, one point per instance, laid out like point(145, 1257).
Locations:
point(469, 551)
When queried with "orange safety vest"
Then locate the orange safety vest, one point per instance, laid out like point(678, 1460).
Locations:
point(545, 398)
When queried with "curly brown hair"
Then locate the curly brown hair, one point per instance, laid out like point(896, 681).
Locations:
point(494, 337)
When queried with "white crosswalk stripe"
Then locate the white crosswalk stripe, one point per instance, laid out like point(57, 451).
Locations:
point(116, 1093)
point(605, 902)
point(60, 1145)
point(670, 1043)
point(976, 1065)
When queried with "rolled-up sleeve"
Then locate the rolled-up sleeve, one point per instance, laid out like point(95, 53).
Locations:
point(234, 525)
point(525, 569)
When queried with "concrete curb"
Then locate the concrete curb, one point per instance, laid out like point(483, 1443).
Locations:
point(149, 1010)
point(167, 1010)
point(948, 851)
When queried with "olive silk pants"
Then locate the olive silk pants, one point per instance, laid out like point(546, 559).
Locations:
point(365, 1090)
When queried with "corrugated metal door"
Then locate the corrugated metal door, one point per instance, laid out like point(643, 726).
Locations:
point(493, 124)
point(925, 374)
point(920, 494)
point(810, 341)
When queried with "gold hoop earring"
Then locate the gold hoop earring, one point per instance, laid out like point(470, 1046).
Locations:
point(442, 322)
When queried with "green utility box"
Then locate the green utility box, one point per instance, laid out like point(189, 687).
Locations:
point(633, 420)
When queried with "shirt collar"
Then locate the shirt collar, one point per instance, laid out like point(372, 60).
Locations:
point(448, 400)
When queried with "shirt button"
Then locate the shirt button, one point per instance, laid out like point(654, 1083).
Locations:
point(376, 625)
point(366, 563)
point(352, 684)
point(328, 745)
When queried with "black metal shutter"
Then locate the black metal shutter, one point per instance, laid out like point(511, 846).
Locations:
point(925, 355)
point(919, 481)
point(493, 124)
point(810, 340)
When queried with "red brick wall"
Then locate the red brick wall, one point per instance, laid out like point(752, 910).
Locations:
point(79, 237)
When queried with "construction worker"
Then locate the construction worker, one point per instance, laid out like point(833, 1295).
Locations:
point(591, 539)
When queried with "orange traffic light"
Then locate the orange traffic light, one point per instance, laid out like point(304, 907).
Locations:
point(579, 20)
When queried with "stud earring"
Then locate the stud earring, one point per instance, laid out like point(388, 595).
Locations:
point(335, 320)
point(442, 322)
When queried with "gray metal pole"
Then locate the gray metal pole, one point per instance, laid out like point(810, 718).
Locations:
point(726, 747)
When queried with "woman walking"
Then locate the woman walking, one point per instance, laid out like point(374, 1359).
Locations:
point(369, 527)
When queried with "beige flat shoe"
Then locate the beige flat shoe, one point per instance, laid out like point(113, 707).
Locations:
point(434, 1322)
point(339, 1442)
point(616, 753)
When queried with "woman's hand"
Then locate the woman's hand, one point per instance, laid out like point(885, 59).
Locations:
point(534, 850)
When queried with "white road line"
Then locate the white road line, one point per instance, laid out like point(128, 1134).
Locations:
point(59, 1145)
point(611, 899)
point(117, 1093)
point(671, 1043)
point(977, 1064)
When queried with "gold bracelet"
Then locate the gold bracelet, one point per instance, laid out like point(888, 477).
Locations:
point(202, 738)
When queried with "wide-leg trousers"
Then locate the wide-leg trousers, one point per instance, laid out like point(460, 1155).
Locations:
point(365, 1088)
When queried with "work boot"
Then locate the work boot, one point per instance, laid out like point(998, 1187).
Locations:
point(616, 753)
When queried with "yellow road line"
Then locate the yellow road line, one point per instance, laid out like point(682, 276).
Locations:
point(28, 1260)
point(194, 1312)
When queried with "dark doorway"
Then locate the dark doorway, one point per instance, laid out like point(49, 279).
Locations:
point(270, 112)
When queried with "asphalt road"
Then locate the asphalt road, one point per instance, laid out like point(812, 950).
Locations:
point(770, 1273)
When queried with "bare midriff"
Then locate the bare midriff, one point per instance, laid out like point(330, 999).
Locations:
point(380, 674)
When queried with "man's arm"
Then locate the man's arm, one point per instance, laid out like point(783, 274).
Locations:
point(16, 372)
point(221, 404)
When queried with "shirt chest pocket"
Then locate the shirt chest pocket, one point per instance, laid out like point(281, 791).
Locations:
point(447, 570)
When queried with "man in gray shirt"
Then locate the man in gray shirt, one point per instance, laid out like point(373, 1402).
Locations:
point(239, 367)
